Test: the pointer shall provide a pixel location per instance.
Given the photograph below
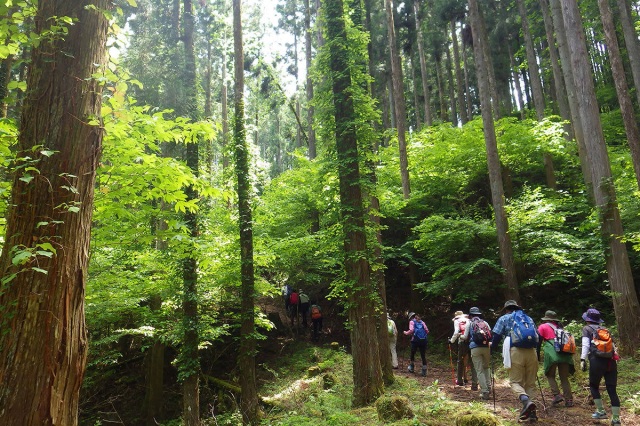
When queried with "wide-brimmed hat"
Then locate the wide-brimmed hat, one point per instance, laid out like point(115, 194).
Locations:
point(550, 316)
point(475, 311)
point(411, 315)
point(592, 315)
point(458, 313)
point(511, 304)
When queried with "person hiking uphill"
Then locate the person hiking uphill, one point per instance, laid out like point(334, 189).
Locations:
point(603, 362)
point(419, 331)
point(519, 354)
point(478, 334)
point(460, 324)
point(304, 306)
point(556, 359)
point(316, 320)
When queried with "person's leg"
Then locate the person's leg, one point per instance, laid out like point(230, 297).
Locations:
point(423, 356)
point(563, 372)
point(553, 384)
point(518, 380)
point(474, 373)
point(531, 371)
point(611, 382)
point(412, 357)
point(477, 361)
point(596, 372)
point(393, 340)
point(460, 373)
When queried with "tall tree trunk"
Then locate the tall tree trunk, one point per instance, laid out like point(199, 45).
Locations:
point(631, 43)
point(154, 379)
point(428, 116)
point(399, 103)
point(565, 58)
point(246, 358)
point(493, 162)
point(481, 38)
point(310, 109)
point(532, 62)
point(414, 82)
point(459, 83)
point(225, 115)
point(558, 79)
point(451, 84)
point(440, 82)
point(43, 344)
point(466, 82)
point(625, 298)
point(367, 374)
point(620, 80)
point(516, 82)
point(190, 357)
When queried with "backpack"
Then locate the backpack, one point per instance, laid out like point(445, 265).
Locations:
point(480, 332)
point(293, 298)
point(390, 325)
point(286, 290)
point(601, 343)
point(563, 341)
point(462, 325)
point(419, 331)
point(523, 332)
point(315, 312)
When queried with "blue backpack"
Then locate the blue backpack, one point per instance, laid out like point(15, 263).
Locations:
point(523, 331)
point(419, 331)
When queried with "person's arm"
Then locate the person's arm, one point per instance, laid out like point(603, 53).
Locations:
point(456, 331)
point(497, 331)
point(426, 329)
point(409, 332)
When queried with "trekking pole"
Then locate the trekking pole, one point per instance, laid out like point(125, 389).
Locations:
point(453, 376)
point(493, 382)
point(544, 403)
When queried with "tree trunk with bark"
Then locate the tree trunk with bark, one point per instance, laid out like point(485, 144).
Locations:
point(464, 118)
point(631, 43)
point(399, 102)
point(532, 63)
point(620, 81)
point(428, 116)
point(246, 358)
point(43, 346)
point(625, 298)
point(367, 373)
point(310, 110)
point(493, 161)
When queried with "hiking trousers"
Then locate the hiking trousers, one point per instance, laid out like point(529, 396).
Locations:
point(607, 368)
point(524, 371)
point(393, 340)
point(563, 373)
point(481, 358)
point(420, 344)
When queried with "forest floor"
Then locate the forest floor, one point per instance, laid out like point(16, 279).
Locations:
point(506, 405)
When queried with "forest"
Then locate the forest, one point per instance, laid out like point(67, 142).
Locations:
point(172, 169)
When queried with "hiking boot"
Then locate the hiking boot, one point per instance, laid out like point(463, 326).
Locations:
point(527, 408)
point(474, 387)
point(533, 417)
point(424, 371)
point(459, 383)
point(485, 396)
point(568, 403)
point(557, 399)
point(410, 368)
point(615, 422)
point(599, 415)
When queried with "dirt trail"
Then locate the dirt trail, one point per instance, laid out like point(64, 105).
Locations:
point(506, 405)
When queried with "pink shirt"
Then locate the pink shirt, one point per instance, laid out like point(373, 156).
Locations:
point(546, 331)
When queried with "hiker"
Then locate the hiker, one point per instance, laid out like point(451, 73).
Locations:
point(460, 323)
point(316, 321)
point(286, 292)
point(478, 334)
point(294, 302)
point(419, 331)
point(393, 340)
point(304, 306)
point(556, 360)
point(519, 354)
point(601, 352)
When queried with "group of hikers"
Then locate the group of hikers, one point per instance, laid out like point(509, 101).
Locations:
point(297, 303)
point(523, 343)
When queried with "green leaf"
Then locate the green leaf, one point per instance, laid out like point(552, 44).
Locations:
point(21, 258)
point(132, 3)
point(44, 253)
point(44, 271)
point(48, 247)
point(26, 178)
point(74, 209)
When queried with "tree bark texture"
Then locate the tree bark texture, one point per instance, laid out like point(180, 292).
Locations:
point(462, 104)
point(367, 374)
point(620, 81)
point(493, 162)
point(428, 116)
point(310, 109)
point(576, 123)
point(631, 43)
point(190, 358)
point(625, 298)
point(246, 358)
point(532, 63)
point(43, 346)
point(399, 103)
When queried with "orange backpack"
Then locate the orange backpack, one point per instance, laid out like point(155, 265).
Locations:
point(601, 343)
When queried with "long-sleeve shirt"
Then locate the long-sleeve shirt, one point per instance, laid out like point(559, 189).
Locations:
point(409, 332)
point(459, 322)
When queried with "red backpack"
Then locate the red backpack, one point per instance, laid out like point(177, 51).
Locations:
point(293, 298)
point(315, 312)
